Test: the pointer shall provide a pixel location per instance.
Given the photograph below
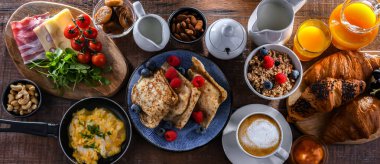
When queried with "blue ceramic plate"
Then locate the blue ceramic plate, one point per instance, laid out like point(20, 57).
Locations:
point(188, 138)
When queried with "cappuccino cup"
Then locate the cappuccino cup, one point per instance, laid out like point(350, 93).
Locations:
point(260, 136)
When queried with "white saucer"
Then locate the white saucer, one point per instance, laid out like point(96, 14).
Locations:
point(231, 147)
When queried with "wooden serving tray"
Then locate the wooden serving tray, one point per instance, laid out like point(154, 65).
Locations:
point(114, 56)
point(315, 124)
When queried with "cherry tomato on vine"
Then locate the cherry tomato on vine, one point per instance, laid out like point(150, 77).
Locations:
point(71, 31)
point(90, 33)
point(77, 43)
point(99, 60)
point(84, 58)
point(95, 45)
point(83, 21)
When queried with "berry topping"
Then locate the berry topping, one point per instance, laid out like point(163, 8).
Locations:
point(268, 85)
point(151, 65)
point(145, 72)
point(173, 61)
point(376, 74)
point(170, 135)
point(182, 70)
point(280, 78)
point(160, 131)
point(201, 130)
point(171, 73)
point(264, 51)
point(175, 83)
point(295, 74)
point(197, 116)
point(268, 62)
point(135, 108)
point(277, 63)
point(198, 81)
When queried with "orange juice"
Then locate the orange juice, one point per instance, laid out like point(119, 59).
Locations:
point(353, 25)
point(312, 38)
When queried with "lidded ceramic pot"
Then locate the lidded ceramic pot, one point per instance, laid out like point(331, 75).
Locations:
point(226, 39)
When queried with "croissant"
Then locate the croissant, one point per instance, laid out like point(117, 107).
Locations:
point(357, 120)
point(343, 65)
point(324, 96)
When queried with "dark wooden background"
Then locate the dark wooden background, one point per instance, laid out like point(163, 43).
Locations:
point(23, 148)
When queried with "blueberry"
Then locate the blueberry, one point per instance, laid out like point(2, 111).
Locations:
point(135, 108)
point(151, 65)
point(376, 74)
point(146, 72)
point(201, 130)
point(295, 74)
point(182, 70)
point(160, 131)
point(277, 63)
point(268, 85)
point(168, 125)
point(264, 51)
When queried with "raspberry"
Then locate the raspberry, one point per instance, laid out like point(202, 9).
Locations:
point(268, 62)
point(173, 61)
point(175, 83)
point(171, 73)
point(198, 81)
point(197, 116)
point(170, 135)
point(280, 78)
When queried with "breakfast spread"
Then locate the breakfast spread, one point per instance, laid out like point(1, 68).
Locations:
point(187, 26)
point(308, 150)
point(259, 135)
point(22, 99)
point(272, 73)
point(114, 17)
point(94, 134)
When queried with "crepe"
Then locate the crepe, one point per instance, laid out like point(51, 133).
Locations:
point(188, 96)
point(212, 94)
point(155, 97)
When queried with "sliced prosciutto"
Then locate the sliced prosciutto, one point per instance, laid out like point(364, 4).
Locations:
point(27, 41)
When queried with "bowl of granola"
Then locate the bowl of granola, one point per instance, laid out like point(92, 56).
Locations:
point(273, 71)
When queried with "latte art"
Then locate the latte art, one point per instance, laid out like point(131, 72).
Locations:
point(259, 135)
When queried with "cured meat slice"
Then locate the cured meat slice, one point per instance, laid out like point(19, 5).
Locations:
point(27, 41)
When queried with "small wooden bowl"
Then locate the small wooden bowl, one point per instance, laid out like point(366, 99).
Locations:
point(7, 90)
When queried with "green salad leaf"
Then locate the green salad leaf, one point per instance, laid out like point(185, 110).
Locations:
point(62, 67)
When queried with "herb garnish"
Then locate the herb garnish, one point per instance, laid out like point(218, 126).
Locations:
point(90, 146)
point(62, 67)
point(85, 135)
point(94, 129)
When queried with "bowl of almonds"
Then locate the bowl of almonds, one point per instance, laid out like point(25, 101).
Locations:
point(187, 25)
point(21, 98)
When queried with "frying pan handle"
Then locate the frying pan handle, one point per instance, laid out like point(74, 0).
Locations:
point(35, 128)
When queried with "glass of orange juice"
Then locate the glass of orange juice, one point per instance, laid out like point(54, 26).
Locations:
point(355, 23)
point(312, 38)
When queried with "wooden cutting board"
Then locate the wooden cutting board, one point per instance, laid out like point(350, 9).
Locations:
point(315, 124)
point(114, 56)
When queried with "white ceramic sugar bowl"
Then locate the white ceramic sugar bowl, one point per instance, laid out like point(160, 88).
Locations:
point(226, 39)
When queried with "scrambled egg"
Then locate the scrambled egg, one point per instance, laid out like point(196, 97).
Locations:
point(94, 133)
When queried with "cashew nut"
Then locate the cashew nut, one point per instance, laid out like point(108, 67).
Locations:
point(16, 107)
point(11, 97)
point(13, 92)
point(36, 94)
point(21, 113)
point(34, 100)
point(30, 87)
point(31, 93)
point(25, 99)
point(17, 87)
point(21, 94)
point(27, 106)
point(10, 107)
point(34, 106)
point(15, 103)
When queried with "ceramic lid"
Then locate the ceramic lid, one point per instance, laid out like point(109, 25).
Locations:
point(226, 34)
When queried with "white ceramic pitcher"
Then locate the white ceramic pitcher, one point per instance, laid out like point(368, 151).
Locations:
point(151, 32)
point(272, 21)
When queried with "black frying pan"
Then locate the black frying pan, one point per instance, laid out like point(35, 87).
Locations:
point(61, 130)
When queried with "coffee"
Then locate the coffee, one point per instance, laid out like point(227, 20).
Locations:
point(259, 135)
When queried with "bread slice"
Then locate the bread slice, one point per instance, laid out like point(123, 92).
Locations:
point(212, 94)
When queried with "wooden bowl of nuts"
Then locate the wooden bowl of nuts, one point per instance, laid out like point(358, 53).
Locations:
point(187, 25)
point(21, 98)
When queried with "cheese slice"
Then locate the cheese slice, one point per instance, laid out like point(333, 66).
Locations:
point(56, 26)
point(45, 38)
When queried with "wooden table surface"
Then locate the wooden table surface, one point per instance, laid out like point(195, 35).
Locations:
point(23, 148)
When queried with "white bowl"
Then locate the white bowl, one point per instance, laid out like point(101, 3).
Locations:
point(296, 63)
